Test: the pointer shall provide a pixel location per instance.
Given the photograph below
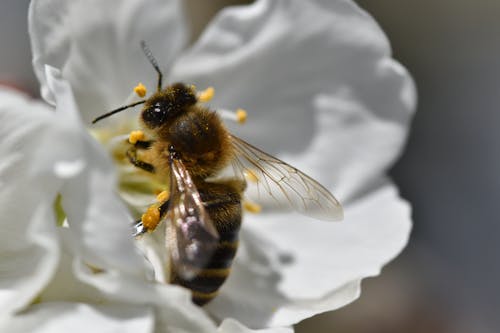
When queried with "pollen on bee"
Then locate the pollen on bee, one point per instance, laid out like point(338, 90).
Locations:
point(151, 218)
point(206, 95)
point(140, 90)
point(135, 136)
point(251, 176)
point(162, 196)
point(252, 207)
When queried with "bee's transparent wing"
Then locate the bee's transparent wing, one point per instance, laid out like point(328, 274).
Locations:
point(284, 184)
point(191, 235)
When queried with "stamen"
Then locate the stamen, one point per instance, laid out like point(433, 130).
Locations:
point(206, 95)
point(136, 136)
point(94, 269)
point(163, 196)
point(251, 176)
point(241, 116)
point(151, 218)
point(252, 207)
point(140, 90)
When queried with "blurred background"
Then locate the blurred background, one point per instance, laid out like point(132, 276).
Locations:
point(447, 279)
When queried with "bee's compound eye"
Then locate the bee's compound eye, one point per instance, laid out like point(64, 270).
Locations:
point(155, 115)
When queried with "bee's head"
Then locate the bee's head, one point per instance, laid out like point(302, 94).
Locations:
point(167, 104)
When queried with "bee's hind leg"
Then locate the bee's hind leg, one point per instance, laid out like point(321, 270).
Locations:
point(150, 219)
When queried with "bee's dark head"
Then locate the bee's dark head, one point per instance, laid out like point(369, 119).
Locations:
point(167, 104)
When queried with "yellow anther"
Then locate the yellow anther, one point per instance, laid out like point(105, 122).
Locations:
point(151, 218)
point(241, 116)
point(135, 136)
point(163, 196)
point(140, 90)
point(251, 176)
point(206, 95)
point(252, 207)
point(94, 269)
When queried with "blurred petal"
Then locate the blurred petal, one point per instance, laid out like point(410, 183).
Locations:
point(28, 242)
point(79, 317)
point(232, 326)
point(100, 236)
point(289, 269)
point(318, 82)
point(173, 306)
point(98, 220)
point(65, 285)
point(76, 282)
point(96, 44)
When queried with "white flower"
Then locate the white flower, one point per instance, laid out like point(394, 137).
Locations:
point(89, 273)
point(323, 94)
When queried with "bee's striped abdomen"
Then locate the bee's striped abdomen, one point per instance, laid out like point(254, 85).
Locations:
point(208, 280)
point(223, 204)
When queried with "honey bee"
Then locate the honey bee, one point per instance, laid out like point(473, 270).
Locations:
point(189, 147)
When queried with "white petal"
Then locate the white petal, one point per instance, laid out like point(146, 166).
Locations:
point(36, 142)
point(68, 169)
point(99, 222)
point(74, 317)
point(304, 72)
point(96, 44)
point(289, 269)
point(29, 246)
point(76, 282)
point(232, 326)
point(65, 285)
point(175, 312)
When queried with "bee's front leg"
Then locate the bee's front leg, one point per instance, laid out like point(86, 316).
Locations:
point(132, 157)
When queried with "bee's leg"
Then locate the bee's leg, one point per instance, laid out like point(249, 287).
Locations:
point(164, 208)
point(143, 144)
point(150, 219)
point(132, 156)
point(137, 139)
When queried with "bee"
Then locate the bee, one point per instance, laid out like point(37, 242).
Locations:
point(189, 148)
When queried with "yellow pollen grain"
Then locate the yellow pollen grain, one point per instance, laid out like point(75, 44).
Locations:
point(135, 136)
point(251, 176)
point(241, 116)
point(140, 90)
point(151, 218)
point(206, 95)
point(252, 207)
point(163, 196)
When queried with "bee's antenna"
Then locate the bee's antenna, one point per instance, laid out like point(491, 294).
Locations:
point(110, 113)
point(152, 60)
